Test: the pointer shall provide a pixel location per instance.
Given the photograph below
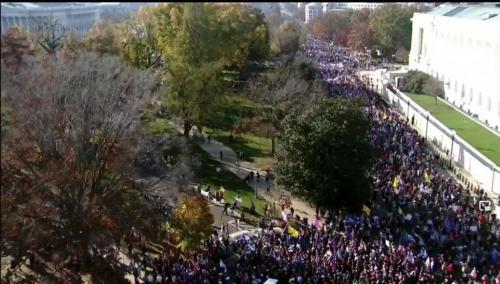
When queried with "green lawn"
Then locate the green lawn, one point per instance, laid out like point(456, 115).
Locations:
point(256, 147)
point(234, 186)
point(476, 135)
point(156, 125)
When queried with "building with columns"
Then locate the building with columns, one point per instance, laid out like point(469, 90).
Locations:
point(80, 16)
point(313, 10)
point(460, 45)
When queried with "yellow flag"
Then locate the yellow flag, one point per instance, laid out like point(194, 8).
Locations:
point(366, 210)
point(427, 178)
point(396, 182)
point(293, 232)
point(401, 211)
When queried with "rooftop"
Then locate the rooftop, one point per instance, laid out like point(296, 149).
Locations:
point(46, 5)
point(481, 13)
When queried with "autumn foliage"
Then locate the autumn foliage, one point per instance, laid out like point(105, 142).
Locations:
point(67, 174)
point(192, 222)
point(15, 46)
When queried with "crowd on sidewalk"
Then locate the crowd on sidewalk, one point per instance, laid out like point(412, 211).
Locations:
point(421, 226)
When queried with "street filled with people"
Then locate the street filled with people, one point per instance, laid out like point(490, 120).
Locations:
point(421, 226)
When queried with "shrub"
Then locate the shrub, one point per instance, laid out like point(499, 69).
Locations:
point(414, 82)
point(420, 83)
point(433, 87)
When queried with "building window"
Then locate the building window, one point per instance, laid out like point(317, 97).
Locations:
point(480, 101)
point(489, 103)
point(470, 96)
point(463, 91)
point(420, 42)
point(456, 86)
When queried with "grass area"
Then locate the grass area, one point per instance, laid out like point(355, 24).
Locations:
point(476, 135)
point(155, 125)
point(256, 147)
point(235, 107)
point(234, 186)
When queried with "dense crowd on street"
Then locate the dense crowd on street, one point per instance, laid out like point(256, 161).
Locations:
point(421, 226)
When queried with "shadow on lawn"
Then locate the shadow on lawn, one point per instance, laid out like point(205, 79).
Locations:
point(240, 144)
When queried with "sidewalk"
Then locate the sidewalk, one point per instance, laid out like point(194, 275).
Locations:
point(302, 208)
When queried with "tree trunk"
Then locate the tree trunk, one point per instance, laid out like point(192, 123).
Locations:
point(273, 144)
point(187, 128)
point(85, 258)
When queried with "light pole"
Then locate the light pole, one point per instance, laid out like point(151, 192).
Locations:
point(427, 124)
point(255, 185)
point(408, 111)
point(384, 87)
point(453, 133)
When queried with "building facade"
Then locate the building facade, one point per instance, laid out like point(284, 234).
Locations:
point(460, 45)
point(313, 10)
point(28, 16)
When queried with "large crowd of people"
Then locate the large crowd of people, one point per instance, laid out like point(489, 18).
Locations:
point(421, 226)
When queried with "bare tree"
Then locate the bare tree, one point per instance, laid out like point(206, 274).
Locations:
point(284, 90)
point(50, 34)
point(67, 162)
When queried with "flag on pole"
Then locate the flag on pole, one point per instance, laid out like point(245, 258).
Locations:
point(395, 183)
point(366, 210)
point(427, 178)
point(294, 233)
point(400, 211)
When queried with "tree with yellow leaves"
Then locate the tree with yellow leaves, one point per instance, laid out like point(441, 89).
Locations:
point(192, 222)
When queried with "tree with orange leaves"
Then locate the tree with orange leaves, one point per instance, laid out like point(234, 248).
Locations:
point(15, 46)
point(67, 158)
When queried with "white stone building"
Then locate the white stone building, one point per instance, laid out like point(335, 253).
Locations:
point(460, 45)
point(80, 16)
point(313, 10)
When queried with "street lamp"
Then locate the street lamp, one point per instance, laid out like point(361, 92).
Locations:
point(427, 124)
point(453, 133)
point(255, 185)
point(408, 111)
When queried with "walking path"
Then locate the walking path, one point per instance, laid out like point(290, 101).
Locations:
point(243, 168)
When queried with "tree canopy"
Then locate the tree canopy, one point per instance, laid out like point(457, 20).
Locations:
point(194, 43)
point(67, 159)
point(286, 38)
point(326, 156)
point(391, 28)
point(285, 90)
point(103, 38)
point(387, 28)
point(192, 222)
point(15, 46)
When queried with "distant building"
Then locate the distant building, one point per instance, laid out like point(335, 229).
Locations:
point(80, 16)
point(312, 10)
point(460, 45)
